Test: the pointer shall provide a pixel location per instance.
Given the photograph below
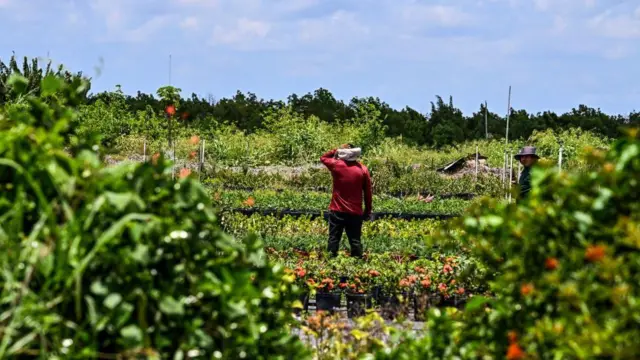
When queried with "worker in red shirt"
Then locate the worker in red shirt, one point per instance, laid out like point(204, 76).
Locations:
point(351, 183)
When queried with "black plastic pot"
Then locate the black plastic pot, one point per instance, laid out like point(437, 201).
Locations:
point(421, 303)
point(357, 304)
point(304, 299)
point(327, 301)
point(390, 304)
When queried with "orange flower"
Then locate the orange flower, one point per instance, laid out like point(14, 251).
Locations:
point(192, 155)
point(425, 283)
point(250, 201)
point(551, 263)
point(184, 173)
point(447, 269)
point(311, 282)
point(170, 110)
point(514, 352)
point(412, 279)
point(595, 253)
point(374, 273)
point(442, 287)
point(460, 290)
point(300, 272)
point(405, 283)
point(343, 285)
point(526, 289)
point(419, 270)
point(195, 139)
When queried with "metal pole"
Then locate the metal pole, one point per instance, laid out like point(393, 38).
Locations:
point(476, 163)
point(560, 159)
point(504, 172)
point(486, 128)
point(508, 112)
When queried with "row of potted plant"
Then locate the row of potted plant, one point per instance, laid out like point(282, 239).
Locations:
point(317, 201)
point(412, 237)
point(385, 182)
point(389, 281)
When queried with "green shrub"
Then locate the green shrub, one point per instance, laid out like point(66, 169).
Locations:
point(121, 262)
point(565, 266)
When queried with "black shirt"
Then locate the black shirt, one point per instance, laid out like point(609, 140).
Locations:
point(525, 182)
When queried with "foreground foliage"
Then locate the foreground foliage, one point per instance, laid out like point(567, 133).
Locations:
point(121, 262)
point(564, 268)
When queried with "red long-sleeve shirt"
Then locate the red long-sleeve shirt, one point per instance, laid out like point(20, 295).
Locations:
point(351, 180)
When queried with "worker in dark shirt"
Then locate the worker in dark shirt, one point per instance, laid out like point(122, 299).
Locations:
point(351, 185)
point(527, 157)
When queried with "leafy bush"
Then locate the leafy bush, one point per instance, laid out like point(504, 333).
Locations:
point(121, 262)
point(565, 266)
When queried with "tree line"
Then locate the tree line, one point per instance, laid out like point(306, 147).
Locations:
point(443, 125)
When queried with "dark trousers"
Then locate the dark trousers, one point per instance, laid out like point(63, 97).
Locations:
point(352, 224)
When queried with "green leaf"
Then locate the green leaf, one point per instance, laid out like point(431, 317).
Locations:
point(18, 83)
point(132, 334)
point(171, 306)
point(121, 200)
point(112, 301)
point(22, 342)
point(141, 254)
point(98, 288)
point(50, 85)
point(476, 303)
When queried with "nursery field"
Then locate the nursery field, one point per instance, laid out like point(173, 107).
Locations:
point(125, 249)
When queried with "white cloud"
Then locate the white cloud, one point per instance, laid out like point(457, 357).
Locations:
point(434, 15)
point(335, 28)
point(242, 33)
point(623, 26)
point(190, 22)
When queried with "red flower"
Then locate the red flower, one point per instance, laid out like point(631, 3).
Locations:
point(460, 290)
point(595, 253)
point(442, 287)
point(425, 283)
point(447, 269)
point(250, 201)
point(514, 352)
point(343, 285)
point(170, 110)
point(195, 139)
point(551, 263)
point(192, 155)
point(184, 173)
point(526, 289)
point(374, 273)
point(301, 272)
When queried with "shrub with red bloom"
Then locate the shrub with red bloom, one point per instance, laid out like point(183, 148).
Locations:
point(170, 110)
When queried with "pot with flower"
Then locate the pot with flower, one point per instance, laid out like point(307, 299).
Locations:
point(327, 295)
point(302, 280)
point(357, 292)
point(422, 292)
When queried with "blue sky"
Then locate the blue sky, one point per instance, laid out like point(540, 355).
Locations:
point(555, 53)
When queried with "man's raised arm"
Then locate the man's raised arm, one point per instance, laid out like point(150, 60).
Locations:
point(328, 158)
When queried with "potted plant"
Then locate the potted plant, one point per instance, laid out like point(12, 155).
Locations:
point(357, 292)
